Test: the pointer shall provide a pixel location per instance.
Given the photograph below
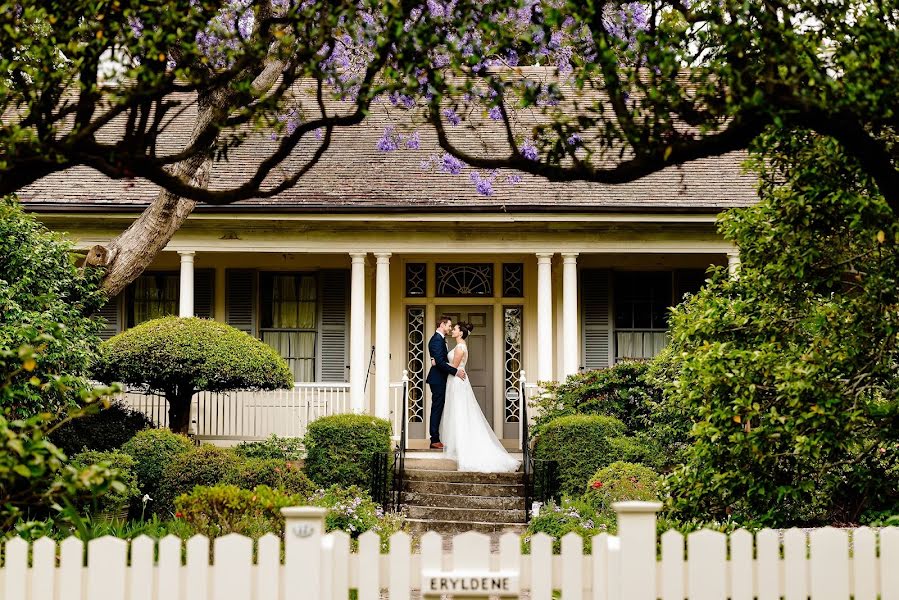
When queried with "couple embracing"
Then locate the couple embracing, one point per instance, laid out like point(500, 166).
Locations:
point(456, 417)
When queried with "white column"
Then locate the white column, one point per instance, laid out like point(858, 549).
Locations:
point(544, 317)
point(382, 335)
point(733, 263)
point(358, 366)
point(186, 295)
point(570, 339)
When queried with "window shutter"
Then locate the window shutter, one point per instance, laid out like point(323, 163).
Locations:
point(595, 294)
point(204, 293)
point(111, 315)
point(240, 299)
point(333, 326)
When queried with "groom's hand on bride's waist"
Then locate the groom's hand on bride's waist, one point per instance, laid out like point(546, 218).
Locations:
point(460, 373)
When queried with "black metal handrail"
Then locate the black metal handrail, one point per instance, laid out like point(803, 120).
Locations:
point(526, 459)
point(399, 457)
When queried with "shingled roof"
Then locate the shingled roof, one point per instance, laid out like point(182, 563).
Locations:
point(354, 176)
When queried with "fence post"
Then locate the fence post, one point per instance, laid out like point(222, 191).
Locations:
point(637, 532)
point(304, 527)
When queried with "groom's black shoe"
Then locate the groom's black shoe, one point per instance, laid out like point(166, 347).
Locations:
point(437, 445)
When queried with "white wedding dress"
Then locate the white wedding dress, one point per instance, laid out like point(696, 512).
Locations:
point(467, 436)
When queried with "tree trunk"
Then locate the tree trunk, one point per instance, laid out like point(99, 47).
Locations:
point(179, 411)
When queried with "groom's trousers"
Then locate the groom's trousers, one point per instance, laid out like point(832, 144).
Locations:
point(438, 397)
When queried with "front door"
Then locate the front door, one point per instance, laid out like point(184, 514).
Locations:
point(480, 351)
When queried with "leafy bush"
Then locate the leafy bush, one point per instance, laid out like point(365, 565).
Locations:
point(222, 509)
point(118, 498)
point(204, 466)
point(351, 509)
point(283, 448)
point(339, 448)
point(107, 429)
point(580, 444)
point(153, 450)
point(622, 481)
point(571, 515)
point(178, 357)
point(274, 473)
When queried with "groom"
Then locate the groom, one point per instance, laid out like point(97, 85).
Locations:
point(437, 374)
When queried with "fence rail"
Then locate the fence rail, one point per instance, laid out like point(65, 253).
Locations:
point(250, 415)
point(816, 565)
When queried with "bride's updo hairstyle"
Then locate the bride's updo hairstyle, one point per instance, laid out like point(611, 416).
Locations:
point(465, 328)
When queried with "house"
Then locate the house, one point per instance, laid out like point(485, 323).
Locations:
point(346, 273)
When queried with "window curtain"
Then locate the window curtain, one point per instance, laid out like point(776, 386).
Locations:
point(293, 302)
point(154, 296)
point(297, 348)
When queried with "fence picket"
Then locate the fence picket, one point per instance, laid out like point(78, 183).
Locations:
point(768, 564)
point(431, 554)
point(541, 563)
point(106, 568)
point(268, 567)
point(232, 568)
point(889, 555)
point(864, 561)
point(327, 568)
point(369, 566)
point(197, 567)
point(341, 572)
point(672, 565)
point(168, 580)
point(71, 559)
point(707, 551)
point(614, 583)
point(43, 570)
point(600, 566)
point(140, 583)
point(400, 582)
point(795, 565)
point(829, 564)
point(741, 565)
point(510, 554)
point(572, 566)
point(15, 584)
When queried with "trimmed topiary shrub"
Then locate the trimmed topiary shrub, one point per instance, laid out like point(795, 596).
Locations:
point(283, 448)
point(116, 499)
point(339, 448)
point(153, 450)
point(207, 465)
point(274, 473)
point(580, 444)
point(622, 481)
point(178, 357)
point(107, 429)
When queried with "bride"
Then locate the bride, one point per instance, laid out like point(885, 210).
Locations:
point(466, 435)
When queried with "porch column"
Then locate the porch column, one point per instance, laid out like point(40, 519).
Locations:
point(544, 317)
point(570, 337)
point(733, 263)
point(382, 335)
point(186, 294)
point(358, 366)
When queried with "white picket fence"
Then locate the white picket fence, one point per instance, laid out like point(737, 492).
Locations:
point(818, 566)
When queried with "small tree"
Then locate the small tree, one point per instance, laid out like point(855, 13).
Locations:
point(178, 357)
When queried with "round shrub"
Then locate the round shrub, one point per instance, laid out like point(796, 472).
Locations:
point(580, 445)
point(274, 473)
point(118, 497)
point(153, 450)
point(622, 481)
point(178, 357)
point(107, 429)
point(339, 448)
point(283, 448)
point(206, 465)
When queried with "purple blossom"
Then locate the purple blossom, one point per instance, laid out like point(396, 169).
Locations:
point(414, 141)
point(451, 116)
point(513, 179)
point(484, 185)
point(388, 141)
point(495, 113)
point(574, 139)
point(450, 164)
point(529, 150)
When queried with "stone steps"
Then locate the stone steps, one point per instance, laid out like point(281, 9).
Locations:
point(412, 474)
point(472, 515)
point(464, 501)
point(420, 526)
point(446, 488)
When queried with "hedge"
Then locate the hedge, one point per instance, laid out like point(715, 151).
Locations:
point(107, 429)
point(153, 450)
point(339, 448)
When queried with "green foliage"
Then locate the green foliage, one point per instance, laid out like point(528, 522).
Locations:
point(283, 448)
point(222, 509)
point(790, 369)
point(45, 303)
point(107, 429)
point(178, 357)
point(572, 515)
point(120, 497)
point(351, 509)
point(153, 450)
point(274, 473)
point(622, 481)
point(580, 444)
point(207, 465)
point(339, 448)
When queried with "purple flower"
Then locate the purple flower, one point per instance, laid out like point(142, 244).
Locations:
point(574, 139)
point(414, 141)
point(495, 113)
point(450, 164)
point(529, 151)
point(451, 116)
point(484, 185)
point(387, 143)
point(513, 179)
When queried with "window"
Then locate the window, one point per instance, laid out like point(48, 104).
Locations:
point(513, 280)
point(416, 279)
point(153, 295)
point(641, 313)
point(464, 280)
point(289, 319)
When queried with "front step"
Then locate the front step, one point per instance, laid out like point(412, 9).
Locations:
point(461, 489)
point(420, 526)
point(463, 501)
point(414, 474)
point(472, 515)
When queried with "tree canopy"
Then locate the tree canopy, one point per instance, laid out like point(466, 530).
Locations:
point(178, 357)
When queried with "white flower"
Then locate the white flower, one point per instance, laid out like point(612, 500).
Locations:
point(146, 498)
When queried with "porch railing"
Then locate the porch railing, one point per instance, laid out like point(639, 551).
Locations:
point(246, 415)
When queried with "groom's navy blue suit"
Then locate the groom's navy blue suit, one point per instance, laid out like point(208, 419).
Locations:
point(437, 375)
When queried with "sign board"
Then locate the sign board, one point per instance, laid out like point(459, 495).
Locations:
point(469, 583)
